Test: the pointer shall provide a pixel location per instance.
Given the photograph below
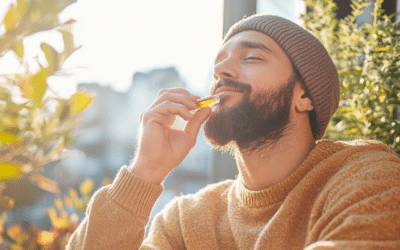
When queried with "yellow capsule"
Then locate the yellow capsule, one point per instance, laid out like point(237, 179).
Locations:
point(207, 102)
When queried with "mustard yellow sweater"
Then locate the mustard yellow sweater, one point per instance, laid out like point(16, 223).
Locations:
point(343, 196)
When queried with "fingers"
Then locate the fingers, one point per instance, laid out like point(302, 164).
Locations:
point(176, 102)
point(193, 126)
point(164, 113)
point(173, 90)
point(177, 95)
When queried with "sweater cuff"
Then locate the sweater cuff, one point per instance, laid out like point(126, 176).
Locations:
point(133, 193)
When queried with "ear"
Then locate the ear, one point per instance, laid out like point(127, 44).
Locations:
point(302, 101)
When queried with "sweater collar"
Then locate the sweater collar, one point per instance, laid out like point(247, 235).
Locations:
point(279, 191)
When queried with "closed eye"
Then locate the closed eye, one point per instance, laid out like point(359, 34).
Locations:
point(252, 58)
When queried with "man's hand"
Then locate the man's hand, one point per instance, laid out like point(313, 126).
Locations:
point(161, 148)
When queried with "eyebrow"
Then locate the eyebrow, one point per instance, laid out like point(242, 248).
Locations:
point(247, 45)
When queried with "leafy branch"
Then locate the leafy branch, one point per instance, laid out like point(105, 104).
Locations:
point(367, 58)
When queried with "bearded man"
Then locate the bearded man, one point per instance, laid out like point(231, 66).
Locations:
point(278, 89)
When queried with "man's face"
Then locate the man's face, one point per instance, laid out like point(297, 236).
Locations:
point(255, 81)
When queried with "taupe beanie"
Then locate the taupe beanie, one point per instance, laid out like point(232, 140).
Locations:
point(308, 56)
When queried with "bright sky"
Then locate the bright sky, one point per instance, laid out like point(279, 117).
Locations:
point(122, 37)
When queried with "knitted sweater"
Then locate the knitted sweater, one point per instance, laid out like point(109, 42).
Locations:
point(343, 196)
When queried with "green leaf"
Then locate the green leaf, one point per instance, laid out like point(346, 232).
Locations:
point(21, 7)
point(39, 86)
point(11, 18)
point(18, 48)
point(68, 39)
point(382, 48)
point(9, 170)
point(79, 102)
point(52, 57)
point(8, 138)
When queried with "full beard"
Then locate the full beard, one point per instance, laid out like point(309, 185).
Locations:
point(251, 125)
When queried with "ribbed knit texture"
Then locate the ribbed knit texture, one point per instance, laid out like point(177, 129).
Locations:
point(134, 194)
point(343, 196)
point(308, 55)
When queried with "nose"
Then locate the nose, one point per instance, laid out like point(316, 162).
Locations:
point(225, 69)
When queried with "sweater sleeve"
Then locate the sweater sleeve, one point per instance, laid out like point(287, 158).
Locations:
point(362, 206)
point(117, 215)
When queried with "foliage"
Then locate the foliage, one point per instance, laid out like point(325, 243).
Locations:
point(36, 126)
point(63, 224)
point(367, 57)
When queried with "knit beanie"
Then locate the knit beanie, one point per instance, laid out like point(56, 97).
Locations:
point(308, 56)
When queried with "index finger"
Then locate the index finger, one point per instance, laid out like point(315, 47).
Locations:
point(178, 95)
point(188, 101)
point(175, 90)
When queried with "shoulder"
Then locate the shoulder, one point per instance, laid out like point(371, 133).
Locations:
point(364, 157)
point(368, 168)
point(362, 196)
point(355, 145)
point(369, 157)
point(366, 145)
point(349, 152)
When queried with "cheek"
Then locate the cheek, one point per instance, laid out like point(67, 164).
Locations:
point(266, 82)
point(261, 77)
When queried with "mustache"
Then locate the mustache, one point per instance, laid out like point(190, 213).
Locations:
point(245, 87)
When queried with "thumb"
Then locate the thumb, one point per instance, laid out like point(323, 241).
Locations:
point(194, 124)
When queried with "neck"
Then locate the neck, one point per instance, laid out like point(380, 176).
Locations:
point(270, 165)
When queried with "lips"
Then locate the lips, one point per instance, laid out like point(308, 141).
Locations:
point(227, 89)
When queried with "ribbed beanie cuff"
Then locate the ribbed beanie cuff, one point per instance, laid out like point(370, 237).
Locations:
point(308, 56)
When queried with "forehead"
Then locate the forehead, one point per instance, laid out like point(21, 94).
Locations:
point(249, 40)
